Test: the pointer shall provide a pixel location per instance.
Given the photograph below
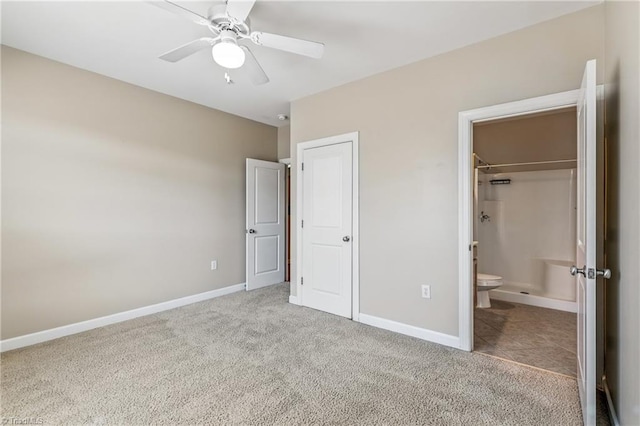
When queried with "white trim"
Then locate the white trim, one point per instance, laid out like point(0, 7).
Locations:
point(465, 237)
point(466, 119)
point(79, 327)
point(533, 300)
point(352, 137)
point(612, 409)
point(297, 224)
point(293, 300)
point(286, 161)
point(410, 330)
point(355, 240)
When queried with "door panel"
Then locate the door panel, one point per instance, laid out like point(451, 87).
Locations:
point(265, 223)
point(326, 183)
point(327, 209)
point(266, 254)
point(586, 244)
point(267, 207)
point(325, 271)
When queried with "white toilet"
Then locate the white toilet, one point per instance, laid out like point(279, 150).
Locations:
point(487, 282)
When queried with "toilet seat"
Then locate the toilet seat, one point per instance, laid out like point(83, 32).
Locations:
point(487, 280)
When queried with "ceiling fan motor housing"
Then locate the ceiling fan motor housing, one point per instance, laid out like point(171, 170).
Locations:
point(221, 21)
point(228, 36)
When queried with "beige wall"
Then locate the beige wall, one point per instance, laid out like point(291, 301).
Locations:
point(407, 119)
point(532, 138)
point(622, 93)
point(284, 142)
point(113, 196)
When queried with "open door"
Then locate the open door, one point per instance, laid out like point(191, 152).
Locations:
point(585, 271)
point(265, 223)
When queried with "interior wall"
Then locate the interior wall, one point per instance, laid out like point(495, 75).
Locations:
point(407, 119)
point(533, 219)
point(532, 138)
point(284, 142)
point(622, 94)
point(114, 197)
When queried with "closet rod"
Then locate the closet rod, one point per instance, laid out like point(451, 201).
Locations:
point(490, 166)
point(480, 159)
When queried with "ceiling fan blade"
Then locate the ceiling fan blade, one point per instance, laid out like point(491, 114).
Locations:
point(288, 44)
point(179, 10)
point(188, 49)
point(253, 69)
point(239, 9)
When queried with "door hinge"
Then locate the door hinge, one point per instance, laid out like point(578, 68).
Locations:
point(301, 280)
point(303, 167)
point(302, 224)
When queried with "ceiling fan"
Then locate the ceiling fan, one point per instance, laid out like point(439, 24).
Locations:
point(230, 24)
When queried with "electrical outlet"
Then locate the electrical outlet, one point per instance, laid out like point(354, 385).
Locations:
point(426, 291)
point(214, 265)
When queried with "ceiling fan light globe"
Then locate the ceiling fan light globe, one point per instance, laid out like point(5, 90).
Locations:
point(228, 55)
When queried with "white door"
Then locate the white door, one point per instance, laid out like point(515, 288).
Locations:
point(327, 215)
point(265, 223)
point(585, 271)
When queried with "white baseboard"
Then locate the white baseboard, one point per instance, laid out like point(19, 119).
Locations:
point(410, 330)
point(612, 410)
point(529, 299)
point(79, 327)
point(293, 300)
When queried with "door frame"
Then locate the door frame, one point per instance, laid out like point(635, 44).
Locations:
point(466, 120)
point(352, 137)
point(287, 215)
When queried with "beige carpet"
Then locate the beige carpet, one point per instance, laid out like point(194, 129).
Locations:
point(252, 358)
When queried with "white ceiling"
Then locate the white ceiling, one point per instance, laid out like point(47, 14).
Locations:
point(123, 40)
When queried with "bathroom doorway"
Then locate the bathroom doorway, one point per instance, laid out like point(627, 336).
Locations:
point(524, 210)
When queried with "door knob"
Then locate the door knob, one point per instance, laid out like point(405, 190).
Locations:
point(252, 231)
point(574, 270)
point(346, 238)
point(604, 273)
